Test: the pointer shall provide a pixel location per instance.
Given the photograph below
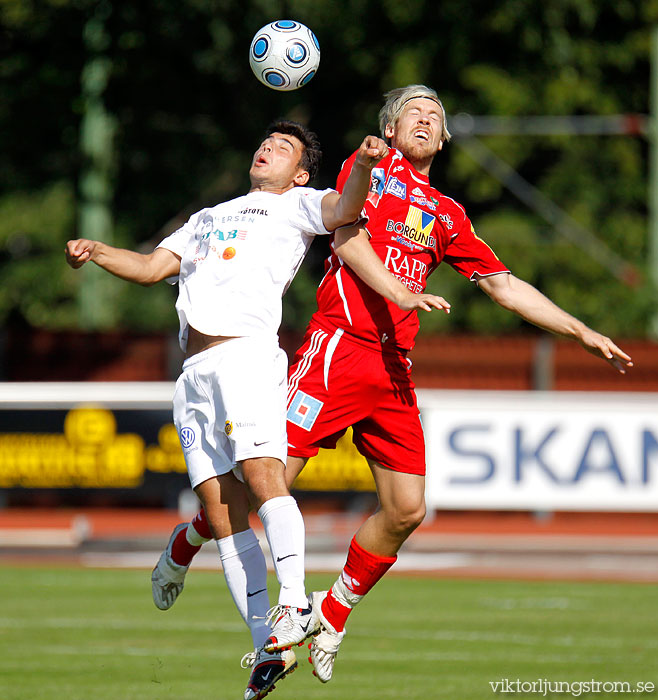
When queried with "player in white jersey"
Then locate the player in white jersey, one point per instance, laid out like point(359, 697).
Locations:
point(234, 262)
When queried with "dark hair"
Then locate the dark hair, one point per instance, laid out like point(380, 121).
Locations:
point(312, 155)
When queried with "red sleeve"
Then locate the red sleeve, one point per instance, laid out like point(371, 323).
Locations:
point(469, 254)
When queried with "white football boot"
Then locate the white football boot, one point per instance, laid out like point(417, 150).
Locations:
point(266, 669)
point(168, 578)
point(324, 645)
point(290, 626)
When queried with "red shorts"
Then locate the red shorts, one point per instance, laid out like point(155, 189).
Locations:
point(336, 382)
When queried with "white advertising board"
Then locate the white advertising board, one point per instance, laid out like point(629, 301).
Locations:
point(541, 450)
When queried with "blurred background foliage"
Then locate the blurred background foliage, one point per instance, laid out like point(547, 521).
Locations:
point(186, 115)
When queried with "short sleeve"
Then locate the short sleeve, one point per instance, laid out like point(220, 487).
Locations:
point(178, 240)
point(470, 255)
point(308, 215)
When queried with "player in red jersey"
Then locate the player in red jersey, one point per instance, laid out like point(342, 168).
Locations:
point(352, 368)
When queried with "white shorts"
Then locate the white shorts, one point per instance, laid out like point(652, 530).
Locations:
point(230, 405)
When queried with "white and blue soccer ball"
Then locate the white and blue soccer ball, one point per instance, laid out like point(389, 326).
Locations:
point(284, 55)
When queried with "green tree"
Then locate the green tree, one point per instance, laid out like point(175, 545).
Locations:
point(189, 113)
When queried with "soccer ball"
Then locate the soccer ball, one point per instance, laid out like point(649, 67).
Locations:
point(284, 55)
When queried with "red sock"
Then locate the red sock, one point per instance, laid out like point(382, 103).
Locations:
point(361, 572)
point(182, 552)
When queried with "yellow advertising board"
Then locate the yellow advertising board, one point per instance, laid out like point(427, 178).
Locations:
point(99, 447)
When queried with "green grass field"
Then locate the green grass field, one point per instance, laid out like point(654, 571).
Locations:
point(82, 634)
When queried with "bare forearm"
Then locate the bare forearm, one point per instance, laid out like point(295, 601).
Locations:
point(126, 264)
point(350, 204)
point(344, 209)
point(529, 303)
point(353, 247)
point(122, 263)
point(536, 308)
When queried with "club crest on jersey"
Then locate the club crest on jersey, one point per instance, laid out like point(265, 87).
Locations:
point(228, 427)
point(417, 227)
point(304, 410)
point(396, 188)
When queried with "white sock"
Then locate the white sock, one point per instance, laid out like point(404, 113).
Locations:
point(246, 576)
point(284, 527)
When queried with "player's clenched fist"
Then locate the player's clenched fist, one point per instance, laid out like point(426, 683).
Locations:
point(78, 252)
point(371, 151)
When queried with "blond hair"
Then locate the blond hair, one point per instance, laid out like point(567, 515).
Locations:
point(396, 100)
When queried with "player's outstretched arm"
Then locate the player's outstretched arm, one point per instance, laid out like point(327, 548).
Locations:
point(126, 264)
point(528, 302)
point(352, 244)
point(340, 210)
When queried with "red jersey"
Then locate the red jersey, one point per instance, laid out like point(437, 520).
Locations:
point(412, 228)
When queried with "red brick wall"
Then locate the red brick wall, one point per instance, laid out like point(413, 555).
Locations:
point(75, 356)
point(450, 362)
point(470, 362)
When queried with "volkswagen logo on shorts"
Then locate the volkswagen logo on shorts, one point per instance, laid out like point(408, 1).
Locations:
point(186, 437)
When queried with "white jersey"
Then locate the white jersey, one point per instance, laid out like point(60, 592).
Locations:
point(239, 257)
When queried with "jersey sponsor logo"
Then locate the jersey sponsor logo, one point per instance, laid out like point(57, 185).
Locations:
point(420, 225)
point(417, 227)
point(418, 197)
point(304, 409)
point(236, 219)
point(228, 253)
point(257, 212)
point(411, 271)
point(397, 168)
point(225, 235)
point(377, 181)
point(208, 238)
point(396, 188)
point(187, 437)
point(205, 246)
point(447, 221)
point(408, 244)
point(423, 202)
